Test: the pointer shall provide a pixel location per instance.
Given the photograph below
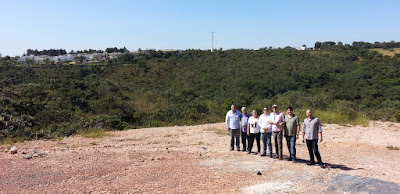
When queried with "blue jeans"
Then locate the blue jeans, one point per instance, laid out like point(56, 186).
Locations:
point(266, 139)
point(291, 143)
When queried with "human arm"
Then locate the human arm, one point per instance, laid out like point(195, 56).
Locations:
point(320, 131)
point(304, 131)
point(227, 121)
point(248, 129)
point(320, 137)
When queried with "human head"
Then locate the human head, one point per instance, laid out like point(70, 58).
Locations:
point(309, 113)
point(265, 110)
point(244, 110)
point(254, 113)
point(233, 107)
point(275, 108)
point(289, 110)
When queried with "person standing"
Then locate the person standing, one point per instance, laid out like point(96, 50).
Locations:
point(232, 122)
point(291, 132)
point(266, 132)
point(253, 131)
point(277, 121)
point(244, 120)
point(311, 130)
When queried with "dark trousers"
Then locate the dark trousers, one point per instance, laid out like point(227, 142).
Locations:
point(251, 141)
point(278, 137)
point(245, 140)
point(312, 146)
point(291, 144)
point(235, 135)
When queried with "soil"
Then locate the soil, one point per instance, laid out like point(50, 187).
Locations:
point(197, 159)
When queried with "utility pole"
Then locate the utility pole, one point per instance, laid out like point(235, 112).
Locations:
point(212, 41)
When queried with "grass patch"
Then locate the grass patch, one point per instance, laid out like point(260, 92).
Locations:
point(10, 140)
point(94, 133)
point(392, 147)
point(387, 52)
point(201, 143)
point(333, 117)
point(219, 131)
point(168, 135)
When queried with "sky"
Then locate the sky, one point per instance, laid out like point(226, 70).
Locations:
point(187, 24)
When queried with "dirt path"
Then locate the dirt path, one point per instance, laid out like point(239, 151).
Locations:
point(196, 159)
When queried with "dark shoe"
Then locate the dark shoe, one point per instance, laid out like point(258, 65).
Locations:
point(280, 158)
point(321, 165)
point(264, 154)
point(294, 161)
point(289, 159)
point(244, 150)
point(231, 149)
point(238, 150)
point(256, 153)
point(248, 152)
point(270, 156)
point(310, 163)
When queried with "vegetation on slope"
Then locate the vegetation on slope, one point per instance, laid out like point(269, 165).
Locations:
point(345, 84)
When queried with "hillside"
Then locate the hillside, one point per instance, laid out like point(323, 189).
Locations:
point(345, 84)
point(196, 159)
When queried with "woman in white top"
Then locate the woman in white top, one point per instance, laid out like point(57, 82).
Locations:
point(253, 131)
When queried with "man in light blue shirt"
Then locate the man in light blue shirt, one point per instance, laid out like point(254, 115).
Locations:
point(232, 122)
point(244, 121)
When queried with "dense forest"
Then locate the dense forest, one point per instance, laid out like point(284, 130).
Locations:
point(194, 86)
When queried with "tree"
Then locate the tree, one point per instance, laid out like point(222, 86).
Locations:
point(318, 44)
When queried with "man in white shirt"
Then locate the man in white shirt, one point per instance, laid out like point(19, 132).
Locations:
point(232, 122)
point(266, 132)
point(277, 121)
point(253, 131)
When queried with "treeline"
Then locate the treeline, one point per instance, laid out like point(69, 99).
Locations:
point(57, 52)
point(90, 51)
point(360, 44)
point(50, 52)
point(159, 89)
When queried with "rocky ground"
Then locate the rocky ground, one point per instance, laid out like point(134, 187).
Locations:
point(197, 159)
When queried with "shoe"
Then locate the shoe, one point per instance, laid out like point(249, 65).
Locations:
point(248, 152)
point(256, 153)
point(289, 159)
point(310, 163)
point(321, 165)
point(244, 150)
point(231, 149)
point(280, 158)
point(294, 161)
point(270, 156)
point(238, 150)
point(264, 154)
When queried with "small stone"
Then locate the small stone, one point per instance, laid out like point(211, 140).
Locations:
point(24, 152)
point(166, 148)
point(204, 148)
point(26, 156)
point(258, 172)
point(35, 155)
point(13, 150)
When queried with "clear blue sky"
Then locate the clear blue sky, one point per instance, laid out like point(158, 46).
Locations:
point(184, 24)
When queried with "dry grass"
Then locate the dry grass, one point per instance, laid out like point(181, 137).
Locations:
point(387, 52)
point(391, 147)
point(94, 133)
point(219, 131)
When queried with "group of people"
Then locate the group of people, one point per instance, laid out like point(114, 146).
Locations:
point(274, 125)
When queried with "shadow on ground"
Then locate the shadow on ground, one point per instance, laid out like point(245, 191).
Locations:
point(330, 165)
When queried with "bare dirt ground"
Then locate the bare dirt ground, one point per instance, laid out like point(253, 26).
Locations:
point(197, 159)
